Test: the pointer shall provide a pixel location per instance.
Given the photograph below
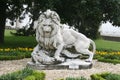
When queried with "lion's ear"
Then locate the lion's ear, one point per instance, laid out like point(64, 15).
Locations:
point(41, 18)
point(56, 16)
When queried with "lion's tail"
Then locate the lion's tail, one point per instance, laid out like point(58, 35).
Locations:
point(94, 46)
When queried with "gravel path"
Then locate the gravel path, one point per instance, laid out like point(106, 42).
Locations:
point(10, 66)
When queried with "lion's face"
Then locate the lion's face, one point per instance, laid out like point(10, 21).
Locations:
point(46, 28)
point(48, 24)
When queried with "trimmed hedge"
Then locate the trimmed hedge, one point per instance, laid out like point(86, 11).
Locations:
point(14, 55)
point(114, 61)
point(25, 74)
point(109, 58)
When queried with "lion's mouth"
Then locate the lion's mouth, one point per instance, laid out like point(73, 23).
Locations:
point(47, 32)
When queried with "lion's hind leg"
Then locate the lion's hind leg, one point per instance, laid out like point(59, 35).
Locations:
point(86, 51)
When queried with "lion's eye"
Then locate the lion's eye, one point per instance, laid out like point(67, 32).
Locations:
point(49, 25)
point(44, 25)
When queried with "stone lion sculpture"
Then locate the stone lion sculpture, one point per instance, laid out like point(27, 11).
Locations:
point(55, 43)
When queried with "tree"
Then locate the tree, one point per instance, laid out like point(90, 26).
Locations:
point(9, 9)
point(2, 19)
point(13, 8)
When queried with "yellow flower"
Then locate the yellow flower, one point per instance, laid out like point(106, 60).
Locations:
point(7, 49)
point(118, 53)
point(1, 49)
point(30, 49)
point(19, 48)
point(14, 49)
point(26, 49)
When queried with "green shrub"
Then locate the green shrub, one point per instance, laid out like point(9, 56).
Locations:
point(11, 57)
point(99, 76)
point(112, 56)
point(25, 74)
point(113, 77)
point(107, 50)
point(30, 78)
point(18, 75)
point(109, 57)
point(81, 78)
point(105, 76)
point(96, 77)
point(114, 61)
point(39, 75)
point(12, 76)
point(27, 54)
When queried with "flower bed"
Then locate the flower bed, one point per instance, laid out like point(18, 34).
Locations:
point(20, 53)
point(108, 56)
point(15, 49)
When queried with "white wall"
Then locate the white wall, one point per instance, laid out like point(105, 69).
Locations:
point(25, 23)
point(108, 29)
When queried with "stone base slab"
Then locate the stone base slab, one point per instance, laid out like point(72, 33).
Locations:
point(73, 64)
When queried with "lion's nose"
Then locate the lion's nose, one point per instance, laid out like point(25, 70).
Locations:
point(47, 29)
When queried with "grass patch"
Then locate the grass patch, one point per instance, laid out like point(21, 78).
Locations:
point(107, 45)
point(18, 41)
point(7, 32)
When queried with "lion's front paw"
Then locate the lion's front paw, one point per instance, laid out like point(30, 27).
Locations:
point(61, 59)
point(48, 60)
point(88, 60)
point(37, 62)
point(52, 59)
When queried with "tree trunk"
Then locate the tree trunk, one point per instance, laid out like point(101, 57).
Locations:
point(2, 20)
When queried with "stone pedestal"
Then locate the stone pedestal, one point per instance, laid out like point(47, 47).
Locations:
point(69, 64)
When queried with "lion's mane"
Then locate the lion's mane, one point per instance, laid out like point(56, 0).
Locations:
point(48, 42)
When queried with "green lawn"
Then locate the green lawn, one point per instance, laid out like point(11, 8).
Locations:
point(104, 44)
point(29, 41)
point(18, 41)
point(7, 32)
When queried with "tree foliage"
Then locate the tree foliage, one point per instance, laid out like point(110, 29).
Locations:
point(87, 15)
point(84, 15)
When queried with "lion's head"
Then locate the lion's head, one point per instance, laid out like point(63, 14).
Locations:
point(48, 23)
